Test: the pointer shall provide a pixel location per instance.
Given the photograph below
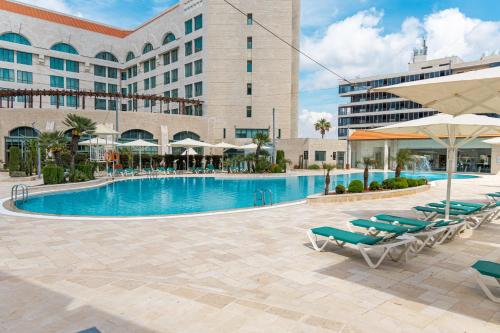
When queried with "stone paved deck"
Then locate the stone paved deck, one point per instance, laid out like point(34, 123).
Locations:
point(242, 272)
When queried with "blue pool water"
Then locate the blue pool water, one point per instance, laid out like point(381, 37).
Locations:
point(181, 195)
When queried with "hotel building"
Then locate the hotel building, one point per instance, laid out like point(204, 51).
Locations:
point(205, 51)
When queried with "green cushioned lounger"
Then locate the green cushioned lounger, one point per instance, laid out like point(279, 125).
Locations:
point(490, 270)
point(385, 227)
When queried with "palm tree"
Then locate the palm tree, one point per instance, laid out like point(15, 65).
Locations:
point(403, 157)
point(260, 139)
point(53, 142)
point(79, 126)
point(367, 162)
point(322, 126)
point(328, 168)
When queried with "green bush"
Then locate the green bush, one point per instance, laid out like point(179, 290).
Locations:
point(422, 181)
point(412, 182)
point(375, 186)
point(14, 160)
point(262, 165)
point(87, 169)
point(78, 176)
point(275, 168)
point(400, 183)
point(395, 183)
point(388, 184)
point(314, 167)
point(53, 174)
point(356, 186)
point(340, 189)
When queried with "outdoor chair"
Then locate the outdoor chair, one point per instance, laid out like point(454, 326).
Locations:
point(487, 270)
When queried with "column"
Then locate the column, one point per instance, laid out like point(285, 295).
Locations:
point(386, 155)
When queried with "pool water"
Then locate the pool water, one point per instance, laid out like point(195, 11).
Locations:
point(182, 195)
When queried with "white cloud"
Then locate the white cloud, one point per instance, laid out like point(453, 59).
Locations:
point(307, 119)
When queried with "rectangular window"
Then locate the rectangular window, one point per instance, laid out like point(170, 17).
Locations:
point(249, 19)
point(134, 87)
point(249, 133)
point(146, 66)
point(175, 93)
point(249, 43)
point(175, 75)
point(53, 100)
point(73, 84)
point(249, 111)
point(306, 155)
point(134, 71)
point(152, 82)
point(198, 22)
point(112, 88)
point(112, 73)
point(166, 58)
point(146, 103)
point(146, 84)
point(198, 89)
point(100, 104)
point(188, 48)
point(124, 91)
point(166, 78)
point(189, 110)
point(152, 63)
point(320, 155)
point(24, 77)
point(123, 75)
point(99, 87)
point(249, 89)
point(56, 63)
point(72, 66)
point(188, 27)
point(71, 101)
point(99, 70)
point(6, 55)
point(188, 69)
point(174, 55)
point(223, 133)
point(198, 110)
point(249, 66)
point(198, 44)
point(188, 91)
point(279, 133)
point(112, 105)
point(24, 58)
point(56, 81)
point(198, 66)
point(166, 94)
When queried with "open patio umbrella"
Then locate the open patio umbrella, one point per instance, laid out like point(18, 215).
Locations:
point(494, 141)
point(473, 92)
point(253, 146)
point(101, 129)
point(190, 143)
point(225, 146)
point(189, 151)
point(450, 132)
point(98, 142)
point(140, 144)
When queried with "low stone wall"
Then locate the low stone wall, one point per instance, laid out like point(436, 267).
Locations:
point(331, 198)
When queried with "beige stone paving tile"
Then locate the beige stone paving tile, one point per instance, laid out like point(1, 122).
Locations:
point(473, 311)
point(406, 311)
point(324, 323)
point(215, 300)
point(128, 284)
point(188, 293)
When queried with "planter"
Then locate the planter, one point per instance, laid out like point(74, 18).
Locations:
point(332, 198)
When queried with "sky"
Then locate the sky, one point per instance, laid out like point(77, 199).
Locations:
point(354, 38)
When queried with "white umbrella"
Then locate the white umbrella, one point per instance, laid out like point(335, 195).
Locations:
point(473, 92)
point(189, 151)
point(190, 143)
point(98, 142)
point(141, 144)
point(494, 141)
point(225, 146)
point(102, 129)
point(253, 146)
point(442, 126)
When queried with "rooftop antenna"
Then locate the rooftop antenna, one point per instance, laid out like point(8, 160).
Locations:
point(420, 54)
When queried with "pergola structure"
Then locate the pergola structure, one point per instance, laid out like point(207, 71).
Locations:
point(81, 95)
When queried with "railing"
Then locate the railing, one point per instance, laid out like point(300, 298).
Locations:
point(261, 195)
point(14, 192)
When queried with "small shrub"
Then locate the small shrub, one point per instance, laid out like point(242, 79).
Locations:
point(412, 182)
point(14, 160)
point(388, 184)
point(53, 174)
point(87, 169)
point(77, 176)
point(422, 181)
point(356, 186)
point(400, 183)
point(275, 168)
point(314, 167)
point(340, 189)
point(375, 186)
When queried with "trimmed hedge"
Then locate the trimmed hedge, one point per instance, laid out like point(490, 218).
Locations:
point(314, 167)
point(340, 189)
point(14, 160)
point(53, 174)
point(375, 186)
point(356, 186)
point(412, 182)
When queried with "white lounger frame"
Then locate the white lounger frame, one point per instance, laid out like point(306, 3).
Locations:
point(480, 280)
point(404, 241)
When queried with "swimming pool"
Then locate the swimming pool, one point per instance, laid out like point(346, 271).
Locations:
point(184, 195)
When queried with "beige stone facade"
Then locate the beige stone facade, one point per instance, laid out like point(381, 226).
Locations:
point(304, 152)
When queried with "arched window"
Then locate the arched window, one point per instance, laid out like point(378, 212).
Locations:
point(24, 132)
point(147, 48)
point(14, 38)
point(136, 134)
point(63, 47)
point(186, 135)
point(170, 37)
point(106, 56)
point(130, 56)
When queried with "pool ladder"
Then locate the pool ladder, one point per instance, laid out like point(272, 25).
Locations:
point(19, 190)
point(260, 196)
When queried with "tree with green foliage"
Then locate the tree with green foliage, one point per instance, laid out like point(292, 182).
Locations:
point(260, 139)
point(403, 157)
point(367, 162)
point(14, 160)
point(328, 168)
point(322, 126)
point(55, 143)
point(79, 126)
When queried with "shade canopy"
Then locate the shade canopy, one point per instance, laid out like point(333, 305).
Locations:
point(190, 143)
point(139, 143)
point(102, 129)
point(445, 130)
point(98, 142)
point(253, 146)
point(473, 92)
point(494, 141)
point(225, 145)
point(190, 152)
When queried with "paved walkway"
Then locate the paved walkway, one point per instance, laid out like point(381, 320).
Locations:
point(242, 272)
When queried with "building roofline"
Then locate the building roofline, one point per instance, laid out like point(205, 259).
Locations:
point(73, 21)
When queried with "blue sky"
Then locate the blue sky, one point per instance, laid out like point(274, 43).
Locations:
point(353, 37)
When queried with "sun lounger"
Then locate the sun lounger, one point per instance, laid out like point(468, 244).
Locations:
point(363, 243)
point(431, 213)
point(475, 215)
point(171, 171)
point(487, 269)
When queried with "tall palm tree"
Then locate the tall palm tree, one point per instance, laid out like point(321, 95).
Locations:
point(403, 157)
point(79, 126)
point(53, 142)
point(322, 126)
point(367, 162)
point(260, 139)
